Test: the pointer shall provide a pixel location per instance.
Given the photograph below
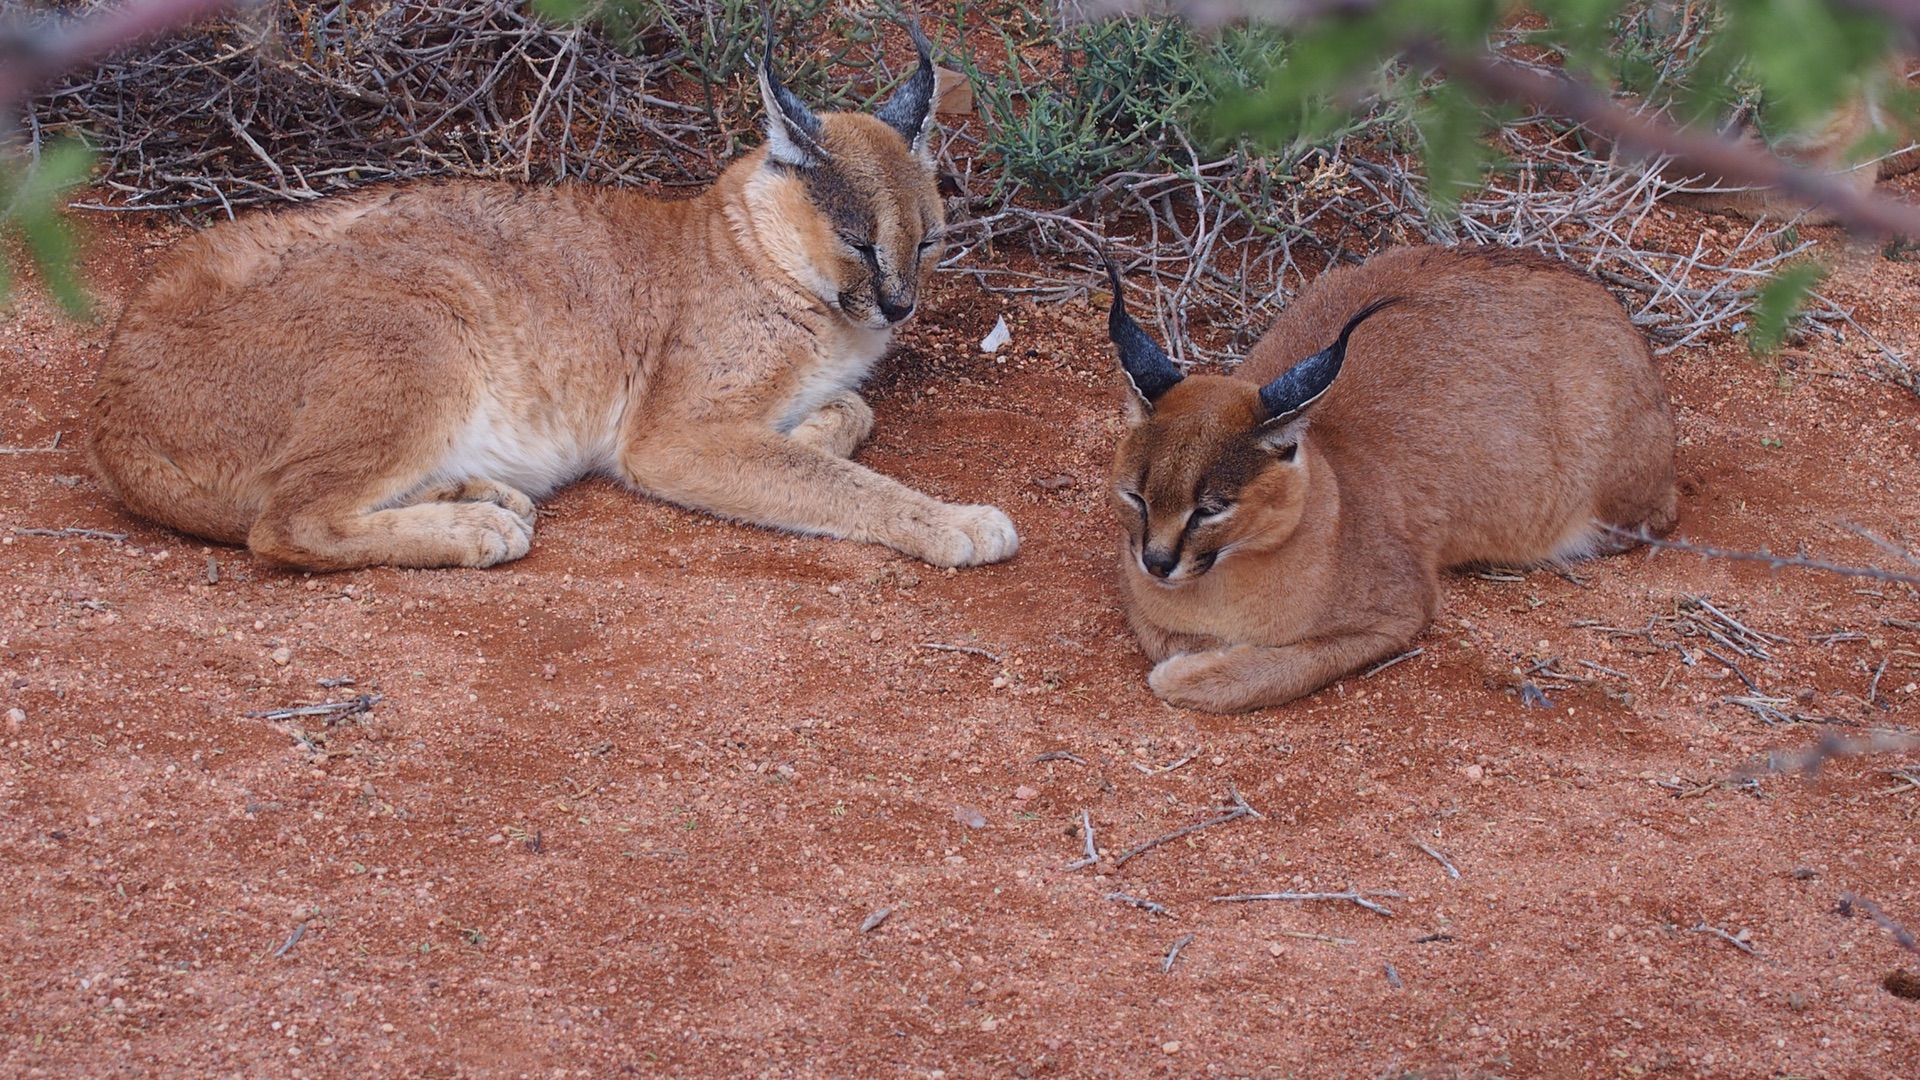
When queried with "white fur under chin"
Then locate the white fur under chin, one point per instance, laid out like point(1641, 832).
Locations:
point(854, 354)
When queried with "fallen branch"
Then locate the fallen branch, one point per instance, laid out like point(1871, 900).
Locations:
point(1849, 901)
point(1730, 939)
point(1776, 562)
point(1352, 896)
point(1392, 660)
point(292, 940)
point(1143, 904)
point(334, 711)
point(1445, 864)
point(1236, 810)
point(85, 534)
point(968, 649)
point(1830, 746)
point(1086, 834)
point(1174, 953)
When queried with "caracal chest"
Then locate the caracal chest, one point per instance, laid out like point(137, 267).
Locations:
point(525, 431)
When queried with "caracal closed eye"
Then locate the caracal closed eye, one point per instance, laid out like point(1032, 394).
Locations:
point(1428, 409)
point(396, 376)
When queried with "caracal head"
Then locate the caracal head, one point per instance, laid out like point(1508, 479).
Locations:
point(1210, 467)
point(847, 204)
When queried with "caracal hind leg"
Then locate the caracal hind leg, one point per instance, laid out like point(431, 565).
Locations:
point(839, 426)
point(465, 523)
point(758, 475)
point(1240, 678)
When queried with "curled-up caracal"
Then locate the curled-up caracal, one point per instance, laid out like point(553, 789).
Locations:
point(1491, 407)
point(397, 375)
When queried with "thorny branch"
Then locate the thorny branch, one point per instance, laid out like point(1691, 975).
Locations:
point(300, 99)
point(1689, 150)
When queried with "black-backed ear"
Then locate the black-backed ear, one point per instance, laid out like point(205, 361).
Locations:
point(910, 110)
point(1147, 367)
point(793, 132)
point(1287, 398)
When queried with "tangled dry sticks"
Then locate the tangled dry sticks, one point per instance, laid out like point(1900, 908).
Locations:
point(294, 99)
point(291, 101)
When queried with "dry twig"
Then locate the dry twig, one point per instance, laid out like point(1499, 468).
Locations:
point(1173, 953)
point(1731, 939)
point(1445, 863)
point(1776, 562)
point(334, 711)
point(1086, 834)
point(1236, 809)
point(1140, 902)
point(84, 534)
point(1849, 901)
point(1352, 896)
point(1392, 660)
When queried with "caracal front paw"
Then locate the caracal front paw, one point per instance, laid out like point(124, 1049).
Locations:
point(839, 426)
point(966, 536)
point(1214, 681)
point(486, 533)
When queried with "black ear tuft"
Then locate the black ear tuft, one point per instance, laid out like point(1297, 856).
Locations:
point(1147, 366)
point(1301, 385)
point(793, 132)
point(910, 110)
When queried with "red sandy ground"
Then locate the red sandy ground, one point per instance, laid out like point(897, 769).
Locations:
point(625, 805)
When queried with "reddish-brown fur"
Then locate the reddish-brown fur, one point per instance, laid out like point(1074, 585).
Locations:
point(1502, 406)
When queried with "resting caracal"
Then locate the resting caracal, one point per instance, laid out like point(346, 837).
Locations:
point(1491, 406)
point(395, 376)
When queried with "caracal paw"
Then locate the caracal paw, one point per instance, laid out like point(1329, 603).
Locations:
point(1208, 681)
point(839, 426)
point(487, 533)
point(970, 536)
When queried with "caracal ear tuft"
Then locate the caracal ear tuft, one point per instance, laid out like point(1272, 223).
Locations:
point(1148, 369)
point(1288, 397)
point(910, 110)
point(793, 132)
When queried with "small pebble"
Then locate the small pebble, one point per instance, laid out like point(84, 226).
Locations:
point(281, 656)
point(1024, 793)
point(1171, 1046)
point(15, 717)
point(1474, 773)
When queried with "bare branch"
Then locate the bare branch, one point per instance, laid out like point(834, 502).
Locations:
point(1690, 152)
point(1352, 896)
point(33, 54)
point(1777, 562)
point(1235, 810)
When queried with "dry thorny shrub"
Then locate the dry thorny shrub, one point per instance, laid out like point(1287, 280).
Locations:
point(298, 98)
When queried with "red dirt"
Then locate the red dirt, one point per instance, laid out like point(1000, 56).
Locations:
point(626, 804)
